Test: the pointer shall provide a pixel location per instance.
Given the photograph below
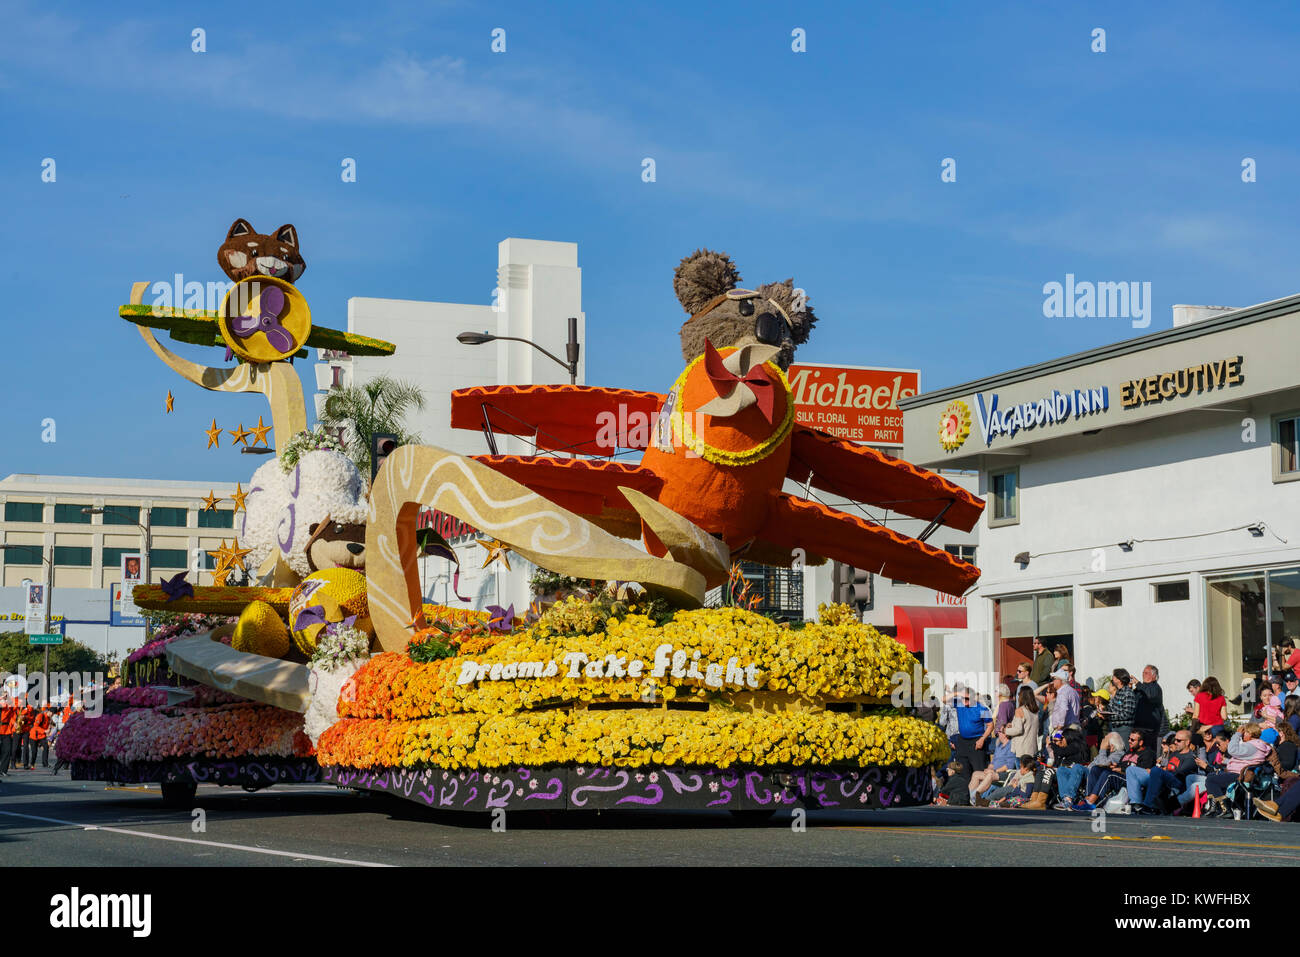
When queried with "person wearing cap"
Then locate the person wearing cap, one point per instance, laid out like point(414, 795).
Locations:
point(1065, 708)
point(1171, 776)
point(974, 725)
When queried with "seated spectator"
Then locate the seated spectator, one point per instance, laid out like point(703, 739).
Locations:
point(1270, 709)
point(1018, 789)
point(1103, 766)
point(1070, 754)
point(1287, 802)
point(1138, 755)
point(956, 789)
point(1022, 730)
point(1001, 767)
point(1285, 749)
point(1292, 710)
point(1171, 777)
point(1245, 750)
point(1209, 706)
point(1136, 774)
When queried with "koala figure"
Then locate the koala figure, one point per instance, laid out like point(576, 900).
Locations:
point(336, 545)
point(707, 284)
point(247, 252)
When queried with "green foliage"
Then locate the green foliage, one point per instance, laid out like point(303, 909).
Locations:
point(308, 440)
point(379, 405)
point(546, 582)
point(430, 649)
point(69, 656)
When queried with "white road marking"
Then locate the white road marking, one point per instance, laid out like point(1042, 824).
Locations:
point(190, 840)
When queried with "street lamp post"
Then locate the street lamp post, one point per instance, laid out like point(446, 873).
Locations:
point(572, 349)
point(48, 579)
point(146, 569)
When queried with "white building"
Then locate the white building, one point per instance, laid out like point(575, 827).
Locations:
point(1143, 498)
point(43, 515)
point(538, 287)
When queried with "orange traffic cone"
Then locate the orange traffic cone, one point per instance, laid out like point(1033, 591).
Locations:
point(1196, 801)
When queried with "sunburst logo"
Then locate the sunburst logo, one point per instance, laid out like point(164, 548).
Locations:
point(954, 425)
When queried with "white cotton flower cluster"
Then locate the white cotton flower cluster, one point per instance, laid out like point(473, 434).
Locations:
point(326, 684)
point(336, 646)
point(282, 506)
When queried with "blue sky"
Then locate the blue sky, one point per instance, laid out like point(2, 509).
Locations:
point(824, 166)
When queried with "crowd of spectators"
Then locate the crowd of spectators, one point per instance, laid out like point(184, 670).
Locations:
point(1050, 742)
point(28, 732)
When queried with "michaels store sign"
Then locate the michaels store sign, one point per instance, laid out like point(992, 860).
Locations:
point(1049, 410)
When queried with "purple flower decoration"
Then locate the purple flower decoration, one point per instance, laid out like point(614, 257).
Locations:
point(312, 615)
point(177, 587)
point(333, 627)
point(503, 619)
point(271, 303)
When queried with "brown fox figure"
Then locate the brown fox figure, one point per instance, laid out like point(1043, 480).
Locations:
point(246, 252)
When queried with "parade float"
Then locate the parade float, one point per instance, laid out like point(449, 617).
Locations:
point(628, 695)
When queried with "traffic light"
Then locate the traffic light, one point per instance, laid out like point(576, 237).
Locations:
point(382, 445)
point(851, 586)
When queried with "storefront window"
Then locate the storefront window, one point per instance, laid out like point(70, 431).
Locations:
point(1234, 612)
point(1288, 446)
point(1005, 493)
point(1237, 608)
point(1017, 621)
point(1284, 605)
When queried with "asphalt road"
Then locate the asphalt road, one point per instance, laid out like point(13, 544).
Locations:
point(47, 820)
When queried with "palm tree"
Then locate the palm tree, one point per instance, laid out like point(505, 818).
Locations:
point(378, 405)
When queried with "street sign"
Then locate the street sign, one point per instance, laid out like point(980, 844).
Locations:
point(44, 639)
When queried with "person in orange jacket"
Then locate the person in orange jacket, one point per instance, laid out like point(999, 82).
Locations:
point(25, 714)
point(38, 737)
point(8, 718)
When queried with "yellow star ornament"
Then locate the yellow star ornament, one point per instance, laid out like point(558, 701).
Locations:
point(241, 435)
point(259, 432)
point(169, 400)
point(214, 435)
point(497, 550)
point(238, 496)
point(223, 568)
point(210, 503)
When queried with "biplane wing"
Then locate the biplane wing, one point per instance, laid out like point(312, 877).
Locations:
point(873, 478)
point(199, 327)
point(588, 420)
point(797, 523)
point(589, 487)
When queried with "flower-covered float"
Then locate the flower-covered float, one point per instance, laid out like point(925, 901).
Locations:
point(634, 697)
